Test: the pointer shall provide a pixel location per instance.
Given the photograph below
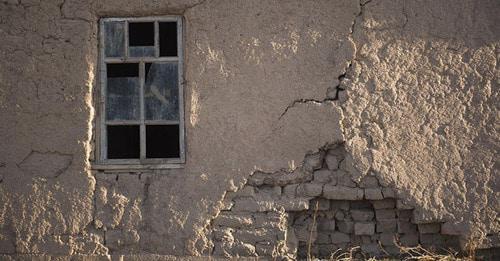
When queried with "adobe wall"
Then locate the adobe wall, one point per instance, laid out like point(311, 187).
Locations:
point(317, 95)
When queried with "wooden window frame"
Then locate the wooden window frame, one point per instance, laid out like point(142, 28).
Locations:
point(101, 162)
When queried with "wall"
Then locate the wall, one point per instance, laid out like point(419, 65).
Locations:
point(407, 91)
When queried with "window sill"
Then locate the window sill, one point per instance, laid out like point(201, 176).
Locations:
point(137, 166)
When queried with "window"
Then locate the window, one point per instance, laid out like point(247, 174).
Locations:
point(141, 116)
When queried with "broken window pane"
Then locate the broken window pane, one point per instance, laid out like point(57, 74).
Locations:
point(168, 38)
point(161, 91)
point(141, 39)
point(123, 142)
point(162, 141)
point(114, 39)
point(122, 92)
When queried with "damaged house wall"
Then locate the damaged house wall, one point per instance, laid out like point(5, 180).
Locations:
point(404, 94)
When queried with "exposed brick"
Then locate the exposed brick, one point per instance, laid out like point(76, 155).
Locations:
point(323, 204)
point(344, 179)
point(362, 214)
point(388, 193)
point(387, 239)
point(360, 204)
point(290, 190)
point(364, 228)
point(373, 193)
point(345, 226)
point(338, 237)
point(322, 176)
point(231, 220)
point(326, 224)
point(309, 189)
point(323, 238)
point(339, 215)
point(342, 193)
point(332, 161)
point(226, 204)
point(255, 235)
point(402, 205)
point(268, 220)
point(369, 182)
point(327, 250)
point(339, 204)
point(264, 249)
point(243, 249)
point(223, 234)
point(383, 214)
point(406, 227)
point(246, 191)
point(429, 228)
point(313, 161)
point(405, 214)
point(409, 239)
point(268, 191)
point(371, 249)
point(387, 226)
point(383, 204)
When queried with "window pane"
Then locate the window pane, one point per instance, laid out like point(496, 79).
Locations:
point(141, 34)
point(161, 91)
point(141, 39)
point(168, 39)
point(162, 141)
point(114, 39)
point(123, 142)
point(122, 92)
point(141, 51)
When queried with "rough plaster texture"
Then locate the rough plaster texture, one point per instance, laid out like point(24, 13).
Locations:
point(419, 111)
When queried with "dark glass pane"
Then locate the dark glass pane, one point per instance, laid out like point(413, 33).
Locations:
point(141, 34)
point(161, 91)
point(122, 70)
point(123, 142)
point(114, 39)
point(168, 38)
point(122, 92)
point(162, 141)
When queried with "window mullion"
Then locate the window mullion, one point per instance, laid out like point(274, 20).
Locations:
point(126, 40)
point(141, 98)
point(157, 40)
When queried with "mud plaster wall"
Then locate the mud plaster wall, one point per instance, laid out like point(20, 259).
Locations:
point(419, 111)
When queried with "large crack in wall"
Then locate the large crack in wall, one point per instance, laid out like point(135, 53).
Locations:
point(318, 210)
point(406, 93)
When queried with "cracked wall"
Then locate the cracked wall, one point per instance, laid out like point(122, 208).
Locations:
point(411, 88)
